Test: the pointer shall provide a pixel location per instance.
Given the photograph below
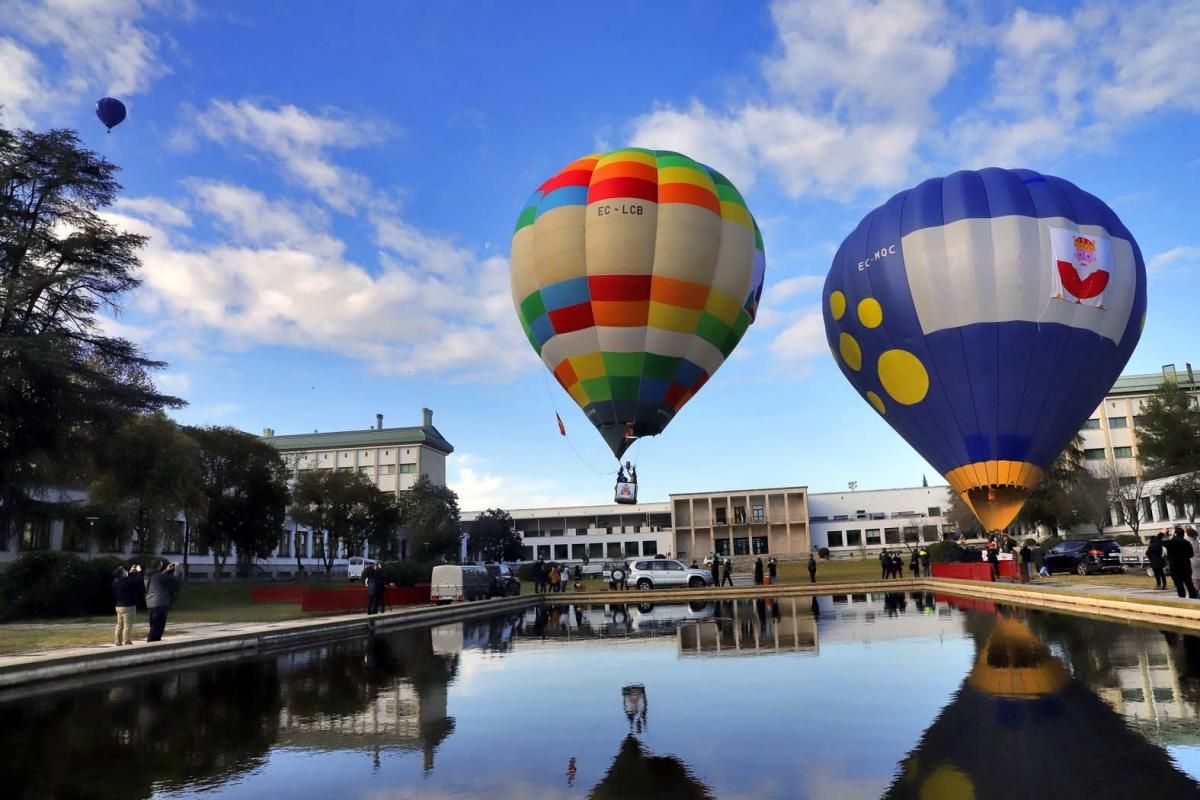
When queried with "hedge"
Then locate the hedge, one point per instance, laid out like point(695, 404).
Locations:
point(407, 573)
point(51, 584)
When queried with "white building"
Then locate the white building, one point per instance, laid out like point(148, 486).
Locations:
point(592, 533)
point(862, 523)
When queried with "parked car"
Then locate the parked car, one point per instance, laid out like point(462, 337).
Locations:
point(357, 565)
point(502, 581)
point(450, 582)
point(663, 573)
point(1085, 557)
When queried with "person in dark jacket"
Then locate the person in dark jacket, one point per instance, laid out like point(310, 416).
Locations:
point(773, 570)
point(716, 570)
point(925, 558)
point(727, 572)
point(897, 566)
point(1026, 563)
point(812, 568)
point(914, 564)
point(1155, 555)
point(376, 586)
point(1179, 559)
point(993, 556)
point(127, 591)
point(758, 572)
point(161, 589)
point(885, 566)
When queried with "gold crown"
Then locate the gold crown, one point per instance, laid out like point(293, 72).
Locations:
point(1083, 243)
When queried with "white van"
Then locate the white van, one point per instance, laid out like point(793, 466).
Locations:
point(451, 582)
point(356, 566)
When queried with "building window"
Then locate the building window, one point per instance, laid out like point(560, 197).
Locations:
point(1162, 507)
point(387, 469)
point(1118, 422)
point(891, 535)
point(35, 535)
point(543, 552)
point(408, 469)
point(365, 470)
point(578, 551)
point(741, 547)
point(1147, 515)
point(720, 513)
point(285, 544)
point(1094, 454)
point(1091, 425)
point(854, 538)
point(555, 532)
point(722, 546)
point(739, 515)
point(345, 469)
point(560, 551)
point(835, 538)
point(595, 550)
point(631, 549)
point(1122, 452)
point(873, 536)
point(526, 553)
point(934, 511)
point(758, 514)
point(318, 547)
point(649, 547)
point(1137, 420)
point(930, 533)
point(75, 536)
point(759, 544)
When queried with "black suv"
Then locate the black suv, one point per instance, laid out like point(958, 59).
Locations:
point(1085, 557)
point(503, 582)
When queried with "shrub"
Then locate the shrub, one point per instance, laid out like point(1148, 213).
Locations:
point(1127, 539)
point(941, 552)
point(407, 573)
point(54, 584)
point(823, 553)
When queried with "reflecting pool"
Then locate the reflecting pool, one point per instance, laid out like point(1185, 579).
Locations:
point(896, 695)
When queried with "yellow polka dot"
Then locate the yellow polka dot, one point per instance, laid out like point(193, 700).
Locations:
point(851, 353)
point(903, 377)
point(874, 400)
point(947, 783)
point(870, 313)
point(837, 304)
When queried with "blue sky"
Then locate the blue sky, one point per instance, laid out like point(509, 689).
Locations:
point(331, 189)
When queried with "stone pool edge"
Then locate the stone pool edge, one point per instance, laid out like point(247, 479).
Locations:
point(245, 639)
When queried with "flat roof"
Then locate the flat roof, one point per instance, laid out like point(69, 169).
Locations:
point(428, 436)
point(804, 489)
point(1149, 383)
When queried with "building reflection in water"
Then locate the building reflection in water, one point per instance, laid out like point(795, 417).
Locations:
point(1022, 726)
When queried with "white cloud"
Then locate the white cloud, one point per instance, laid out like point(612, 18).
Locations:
point(479, 489)
point(299, 141)
point(796, 285)
point(176, 383)
point(155, 209)
point(1176, 257)
point(803, 339)
point(80, 47)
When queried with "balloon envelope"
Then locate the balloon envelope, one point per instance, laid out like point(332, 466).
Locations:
point(635, 273)
point(110, 111)
point(985, 315)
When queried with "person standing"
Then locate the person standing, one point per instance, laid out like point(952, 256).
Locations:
point(914, 564)
point(1192, 540)
point(1026, 563)
point(375, 590)
point(1155, 555)
point(773, 570)
point(1179, 559)
point(758, 572)
point(554, 578)
point(127, 590)
point(727, 572)
point(925, 558)
point(885, 565)
point(812, 568)
point(716, 570)
point(993, 557)
point(897, 566)
point(161, 589)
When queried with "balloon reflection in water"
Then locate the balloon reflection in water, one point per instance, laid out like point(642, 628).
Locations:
point(1021, 726)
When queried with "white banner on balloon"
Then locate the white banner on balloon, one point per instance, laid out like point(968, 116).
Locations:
point(1081, 266)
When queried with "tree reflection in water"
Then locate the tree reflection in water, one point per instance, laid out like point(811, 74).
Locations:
point(203, 727)
point(1022, 726)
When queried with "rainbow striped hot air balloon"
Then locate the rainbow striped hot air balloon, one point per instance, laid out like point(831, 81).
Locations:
point(635, 273)
point(985, 315)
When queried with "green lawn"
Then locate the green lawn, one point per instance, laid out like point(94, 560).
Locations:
point(859, 569)
point(24, 640)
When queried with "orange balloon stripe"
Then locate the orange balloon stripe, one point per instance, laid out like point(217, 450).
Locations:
point(682, 294)
point(626, 169)
point(565, 373)
point(611, 314)
point(689, 193)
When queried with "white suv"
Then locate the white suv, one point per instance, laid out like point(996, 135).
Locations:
point(665, 573)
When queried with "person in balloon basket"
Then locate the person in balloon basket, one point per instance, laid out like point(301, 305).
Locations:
point(812, 568)
point(1155, 555)
point(1179, 559)
point(161, 590)
point(727, 572)
point(993, 557)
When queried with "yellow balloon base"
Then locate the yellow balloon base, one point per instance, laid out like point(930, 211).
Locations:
point(995, 490)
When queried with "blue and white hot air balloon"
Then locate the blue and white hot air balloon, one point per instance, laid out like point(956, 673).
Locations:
point(985, 315)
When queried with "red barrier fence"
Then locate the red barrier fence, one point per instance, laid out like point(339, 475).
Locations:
point(354, 598)
point(974, 570)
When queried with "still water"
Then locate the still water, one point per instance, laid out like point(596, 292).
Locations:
point(833, 698)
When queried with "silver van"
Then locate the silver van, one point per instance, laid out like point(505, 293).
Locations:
point(666, 573)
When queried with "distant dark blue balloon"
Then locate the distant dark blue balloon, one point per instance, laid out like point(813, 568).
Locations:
point(110, 111)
